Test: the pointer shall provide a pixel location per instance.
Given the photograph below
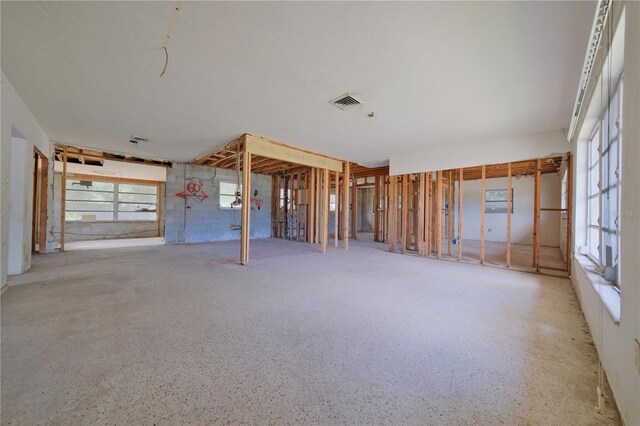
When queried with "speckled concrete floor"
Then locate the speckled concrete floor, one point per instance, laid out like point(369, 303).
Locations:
point(182, 335)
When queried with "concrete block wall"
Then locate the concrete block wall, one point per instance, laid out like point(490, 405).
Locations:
point(199, 219)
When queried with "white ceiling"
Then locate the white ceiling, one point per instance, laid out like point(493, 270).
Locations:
point(433, 73)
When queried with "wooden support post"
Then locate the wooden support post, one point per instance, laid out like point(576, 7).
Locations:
point(414, 184)
point(376, 213)
point(438, 213)
point(336, 215)
point(312, 207)
point(536, 217)
point(450, 215)
point(354, 209)
point(345, 204)
point(420, 219)
point(569, 212)
point(325, 209)
point(44, 185)
point(298, 204)
point(460, 185)
point(427, 215)
point(404, 219)
point(392, 214)
point(318, 226)
point(509, 203)
point(245, 229)
point(482, 204)
point(63, 198)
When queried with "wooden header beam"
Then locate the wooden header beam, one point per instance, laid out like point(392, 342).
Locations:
point(270, 149)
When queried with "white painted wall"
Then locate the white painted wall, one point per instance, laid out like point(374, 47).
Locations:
point(469, 154)
point(18, 167)
point(117, 169)
point(617, 343)
point(522, 217)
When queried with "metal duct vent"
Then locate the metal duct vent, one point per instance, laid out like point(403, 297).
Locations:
point(345, 101)
point(137, 139)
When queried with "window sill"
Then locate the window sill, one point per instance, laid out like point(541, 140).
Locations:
point(607, 292)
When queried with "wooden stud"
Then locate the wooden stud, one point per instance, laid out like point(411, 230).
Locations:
point(345, 204)
point(34, 206)
point(376, 212)
point(569, 212)
point(482, 207)
point(246, 208)
point(391, 216)
point(44, 193)
point(438, 213)
point(298, 204)
point(420, 219)
point(312, 207)
point(450, 215)
point(336, 214)
point(318, 226)
point(63, 198)
point(325, 210)
point(459, 237)
point(427, 214)
point(354, 209)
point(536, 217)
point(404, 218)
point(509, 206)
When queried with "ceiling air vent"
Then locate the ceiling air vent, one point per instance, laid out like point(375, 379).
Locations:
point(137, 139)
point(345, 101)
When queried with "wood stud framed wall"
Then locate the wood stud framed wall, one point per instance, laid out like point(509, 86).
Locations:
point(418, 211)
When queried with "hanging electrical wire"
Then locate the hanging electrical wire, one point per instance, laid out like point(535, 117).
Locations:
point(173, 20)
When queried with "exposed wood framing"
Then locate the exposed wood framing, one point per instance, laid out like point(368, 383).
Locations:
point(392, 213)
point(420, 237)
point(345, 204)
point(536, 217)
point(269, 156)
point(63, 198)
point(354, 208)
point(94, 157)
point(438, 213)
point(450, 212)
point(509, 206)
point(325, 209)
point(460, 183)
point(246, 208)
point(404, 219)
point(569, 212)
point(44, 185)
point(336, 213)
point(482, 208)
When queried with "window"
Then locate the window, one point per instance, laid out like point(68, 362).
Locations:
point(104, 201)
point(495, 200)
point(603, 185)
point(228, 199)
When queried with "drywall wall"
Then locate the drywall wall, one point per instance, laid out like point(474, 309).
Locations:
point(617, 344)
point(468, 154)
point(86, 231)
point(19, 130)
point(522, 217)
point(197, 218)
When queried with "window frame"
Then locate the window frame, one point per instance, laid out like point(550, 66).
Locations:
point(233, 194)
point(487, 202)
point(613, 144)
point(115, 202)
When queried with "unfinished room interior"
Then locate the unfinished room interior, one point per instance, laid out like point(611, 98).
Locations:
point(421, 213)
